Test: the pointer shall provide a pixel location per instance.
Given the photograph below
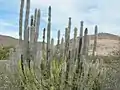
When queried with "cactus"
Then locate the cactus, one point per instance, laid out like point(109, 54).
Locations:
point(43, 44)
point(62, 47)
point(32, 33)
point(25, 27)
point(85, 42)
point(21, 22)
point(26, 45)
point(48, 33)
point(69, 31)
point(52, 48)
point(95, 41)
point(37, 24)
point(35, 17)
point(74, 43)
point(27, 15)
point(58, 41)
point(66, 41)
point(31, 22)
point(36, 33)
point(80, 40)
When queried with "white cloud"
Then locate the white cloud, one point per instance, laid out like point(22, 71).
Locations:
point(93, 12)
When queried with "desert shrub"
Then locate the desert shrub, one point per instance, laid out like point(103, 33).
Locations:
point(4, 52)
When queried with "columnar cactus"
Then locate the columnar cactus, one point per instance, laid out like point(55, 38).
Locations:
point(43, 43)
point(25, 27)
point(31, 21)
point(32, 34)
point(48, 33)
point(74, 43)
point(26, 44)
point(69, 30)
point(52, 48)
point(21, 22)
point(58, 42)
point(35, 16)
point(62, 47)
point(95, 41)
point(66, 41)
point(80, 40)
point(26, 22)
point(36, 32)
point(85, 42)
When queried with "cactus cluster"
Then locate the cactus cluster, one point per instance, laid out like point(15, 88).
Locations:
point(61, 66)
point(28, 44)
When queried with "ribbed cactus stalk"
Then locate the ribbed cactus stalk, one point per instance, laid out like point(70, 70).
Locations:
point(85, 42)
point(62, 47)
point(25, 27)
point(58, 41)
point(95, 41)
point(74, 43)
point(69, 30)
point(66, 41)
point(26, 22)
point(32, 33)
point(38, 23)
point(21, 22)
point(43, 43)
point(31, 21)
point(48, 33)
point(52, 48)
point(36, 33)
point(26, 44)
point(80, 40)
point(35, 17)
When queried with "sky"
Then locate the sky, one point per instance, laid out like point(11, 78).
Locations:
point(104, 13)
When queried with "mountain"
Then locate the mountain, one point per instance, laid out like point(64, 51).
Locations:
point(10, 41)
point(106, 42)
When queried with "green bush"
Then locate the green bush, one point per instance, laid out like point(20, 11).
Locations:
point(4, 52)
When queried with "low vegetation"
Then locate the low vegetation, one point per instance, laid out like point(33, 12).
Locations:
point(56, 67)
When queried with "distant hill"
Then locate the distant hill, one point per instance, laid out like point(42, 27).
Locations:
point(106, 42)
point(106, 36)
point(10, 41)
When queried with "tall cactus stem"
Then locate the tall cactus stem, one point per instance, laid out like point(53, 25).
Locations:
point(85, 42)
point(35, 17)
point(80, 40)
point(21, 23)
point(95, 41)
point(48, 33)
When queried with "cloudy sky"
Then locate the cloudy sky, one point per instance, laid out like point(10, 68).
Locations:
point(104, 13)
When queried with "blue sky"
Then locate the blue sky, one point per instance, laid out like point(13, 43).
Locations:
point(104, 13)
